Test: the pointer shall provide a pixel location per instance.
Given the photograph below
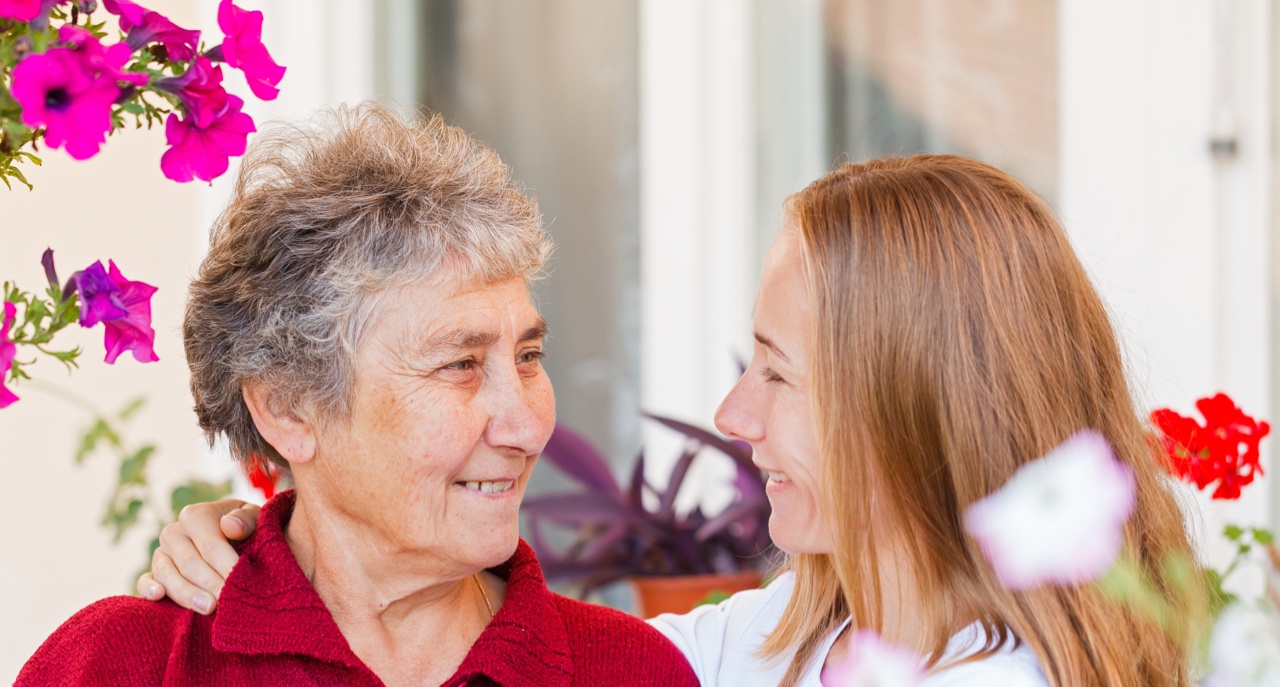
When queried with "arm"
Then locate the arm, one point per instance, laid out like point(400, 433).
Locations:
point(195, 554)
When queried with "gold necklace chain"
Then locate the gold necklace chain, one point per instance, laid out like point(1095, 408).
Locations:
point(483, 594)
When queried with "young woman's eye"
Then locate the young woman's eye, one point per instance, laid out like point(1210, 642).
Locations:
point(771, 376)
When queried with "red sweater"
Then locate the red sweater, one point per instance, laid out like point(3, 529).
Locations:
point(271, 628)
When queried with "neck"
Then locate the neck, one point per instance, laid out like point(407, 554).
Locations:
point(401, 611)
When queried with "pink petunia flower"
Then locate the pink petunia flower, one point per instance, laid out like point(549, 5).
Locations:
point(70, 89)
point(200, 89)
point(198, 152)
point(243, 49)
point(7, 351)
point(143, 26)
point(124, 308)
point(20, 10)
point(1060, 519)
point(872, 662)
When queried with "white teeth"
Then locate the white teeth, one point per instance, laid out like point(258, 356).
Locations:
point(489, 487)
point(779, 477)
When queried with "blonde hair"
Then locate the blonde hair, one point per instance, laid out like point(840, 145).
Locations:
point(326, 217)
point(956, 337)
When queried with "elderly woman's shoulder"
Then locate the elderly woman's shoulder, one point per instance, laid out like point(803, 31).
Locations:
point(122, 640)
point(620, 648)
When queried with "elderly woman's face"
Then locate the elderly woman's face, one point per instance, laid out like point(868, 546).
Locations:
point(450, 411)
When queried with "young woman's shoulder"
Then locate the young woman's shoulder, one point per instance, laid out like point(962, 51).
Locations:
point(1014, 665)
point(121, 640)
point(619, 648)
point(722, 641)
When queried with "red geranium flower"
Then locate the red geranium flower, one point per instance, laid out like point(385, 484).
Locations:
point(262, 476)
point(1223, 451)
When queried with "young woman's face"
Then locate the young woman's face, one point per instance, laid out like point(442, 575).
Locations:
point(769, 407)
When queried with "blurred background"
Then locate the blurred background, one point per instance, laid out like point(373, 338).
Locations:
point(661, 137)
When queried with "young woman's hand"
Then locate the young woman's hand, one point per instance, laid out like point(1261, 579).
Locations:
point(195, 554)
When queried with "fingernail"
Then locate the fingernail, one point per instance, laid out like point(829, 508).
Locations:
point(203, 603)
point(153, 592)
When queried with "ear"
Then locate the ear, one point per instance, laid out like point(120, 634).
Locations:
point(292, 438)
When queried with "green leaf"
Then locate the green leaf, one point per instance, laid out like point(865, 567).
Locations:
point(126, 519)
point(90, 438)
point(133, 470)
point(131, 407)
point(17, 174)
point(1233, 533)
point(1263, 536)
point(133, 108)
point(197, 491)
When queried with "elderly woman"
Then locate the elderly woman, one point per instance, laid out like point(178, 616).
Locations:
point(923, 330)
point(363, 320)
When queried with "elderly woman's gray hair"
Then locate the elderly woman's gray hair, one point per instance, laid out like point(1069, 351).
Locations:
point(325, 218)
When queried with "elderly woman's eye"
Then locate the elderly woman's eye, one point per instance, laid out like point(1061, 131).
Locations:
point(531, 356)
point(461, 365)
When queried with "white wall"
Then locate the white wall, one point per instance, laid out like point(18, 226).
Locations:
point(1179, 243)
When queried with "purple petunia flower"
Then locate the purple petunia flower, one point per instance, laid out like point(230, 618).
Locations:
point(200, 89)
point(143, 26)
point(198, 152)
point(123, 306)
point(243, 49)
point(7, 351)
point(20, 10)
point(70, 89)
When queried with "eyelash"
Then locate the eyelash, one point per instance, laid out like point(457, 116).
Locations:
point(461, 365)
point(532, 356)
point(771, 377)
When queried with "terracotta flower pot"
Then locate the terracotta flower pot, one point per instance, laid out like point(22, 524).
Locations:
point(680, 593)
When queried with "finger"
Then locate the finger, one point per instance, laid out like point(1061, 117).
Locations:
point(198, 525)
point(188, 565)
point(180, 591)
point(240, 523)
point(148, 588)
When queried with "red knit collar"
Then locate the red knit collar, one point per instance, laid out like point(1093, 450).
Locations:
point(269, 607)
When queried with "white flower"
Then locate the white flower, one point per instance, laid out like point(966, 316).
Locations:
point(1245, 648)
point(872, 662)
point(1060, 519)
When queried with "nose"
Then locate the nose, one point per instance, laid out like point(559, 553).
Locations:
point(522, 413)
point(739, 415)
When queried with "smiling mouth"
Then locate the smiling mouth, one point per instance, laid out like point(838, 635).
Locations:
point(779, 477)
point(489, 487)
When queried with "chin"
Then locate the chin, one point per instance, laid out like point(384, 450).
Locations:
point(497, 547)
point(797, 540)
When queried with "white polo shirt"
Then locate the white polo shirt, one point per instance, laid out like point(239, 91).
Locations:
point(721, 642)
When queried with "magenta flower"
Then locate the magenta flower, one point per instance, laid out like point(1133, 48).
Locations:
point(123, 306)
point(872, 662)
point(198, 152)
point(70, 89)
point(200, 89)
point(7, 351)
point(143, 26)
point(1060, 518)
point(243, 49)
point(21, 10)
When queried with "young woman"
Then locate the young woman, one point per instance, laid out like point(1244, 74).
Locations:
point(923, 329)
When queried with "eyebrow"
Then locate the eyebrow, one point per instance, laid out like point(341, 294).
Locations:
point(764, 341)
point(455, 339)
